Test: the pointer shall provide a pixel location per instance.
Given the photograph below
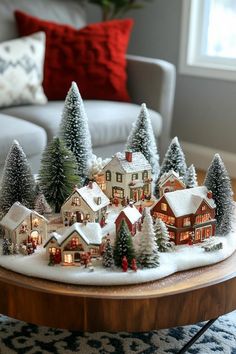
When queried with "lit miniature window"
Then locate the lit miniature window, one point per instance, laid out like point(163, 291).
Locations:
point(76, 201)
point(145, 174)
point(108, 175)
point(172, 235)
point(184, 236)
point(186, 221)
point(163, 206)
point(118, 177)
point(203, 207)
point(35, 222)
point(134, 176)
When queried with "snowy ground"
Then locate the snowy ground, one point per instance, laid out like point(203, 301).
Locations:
point(183, 258)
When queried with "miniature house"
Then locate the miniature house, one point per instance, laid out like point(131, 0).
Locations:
point(77, 240)
point(88, 203)
point(128, 175)
point(189, 214)
point(132, 217)
point(170, 182)
point(24, 225)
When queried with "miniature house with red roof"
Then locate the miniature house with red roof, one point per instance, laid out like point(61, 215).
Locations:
point(170, 182)
point(77, 240)
point(128, 175)
point(189, 214)
point(88, 203)
point(132, 217)
point(24, 225)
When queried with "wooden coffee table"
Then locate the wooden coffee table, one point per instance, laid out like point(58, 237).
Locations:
point(183, 298)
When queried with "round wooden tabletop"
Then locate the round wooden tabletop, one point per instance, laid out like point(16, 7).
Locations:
point(183, 298)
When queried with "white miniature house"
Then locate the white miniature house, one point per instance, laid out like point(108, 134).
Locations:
point(24, 225)
point(76, 240)
point(128, 175)
point(88, 203)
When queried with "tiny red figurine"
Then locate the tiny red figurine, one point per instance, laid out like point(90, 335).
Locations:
point(134, 265)
point(124, 264)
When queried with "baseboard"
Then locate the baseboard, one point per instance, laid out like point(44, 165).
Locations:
point(201, 157)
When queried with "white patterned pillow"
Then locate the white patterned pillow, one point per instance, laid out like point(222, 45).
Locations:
point(21, 70)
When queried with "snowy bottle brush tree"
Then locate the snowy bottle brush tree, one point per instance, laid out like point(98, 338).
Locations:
point(191, 177)
point(142, 139)
point(108, 260)
point(174, 160)
point(162, 236)
point(41, 205)
point(123, 245)
point(148, 251)
point(57, 175)
point(218, 181)
point(74, 130)
point(18, 183)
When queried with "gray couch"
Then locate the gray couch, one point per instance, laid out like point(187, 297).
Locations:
point(149, 80)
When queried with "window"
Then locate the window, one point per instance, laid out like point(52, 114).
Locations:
point(186, 221)
point(118, 177)
point(145, 174)
point(76, 201)
point(184, 236)
point(163, 206)
point(134, 176)
point(170, 220)
point(118, 192)
point(208, 39)
point(108, 175)
point(172, 235)
point(202, 218)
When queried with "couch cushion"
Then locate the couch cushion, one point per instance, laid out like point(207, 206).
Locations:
point(109, 122)
point(31, 137)
point(69, 12)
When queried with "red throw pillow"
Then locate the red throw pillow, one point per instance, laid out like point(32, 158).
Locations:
point(93, 56)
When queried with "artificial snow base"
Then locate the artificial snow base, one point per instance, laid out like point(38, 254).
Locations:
point(183, 258)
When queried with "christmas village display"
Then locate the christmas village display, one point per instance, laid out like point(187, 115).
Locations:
point(123, 213)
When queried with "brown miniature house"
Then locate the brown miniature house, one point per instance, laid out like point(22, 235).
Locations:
point(76, 241)
point(189, 214)
point(128, 175)
point(170, 182)
point(88, 203)
point(132, 217)
point(24, 225)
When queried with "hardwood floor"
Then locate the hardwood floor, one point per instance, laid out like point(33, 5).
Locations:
point(201, 177)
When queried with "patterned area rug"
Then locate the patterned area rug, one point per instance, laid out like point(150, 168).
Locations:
point(20, 337)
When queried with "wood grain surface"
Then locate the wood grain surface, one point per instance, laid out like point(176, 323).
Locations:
point(183, 298)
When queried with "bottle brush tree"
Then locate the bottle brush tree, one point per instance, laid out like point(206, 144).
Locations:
point(142, 139)
point(148, 251)
point(174, 160)
point(18, 183)
point(57, 175)
point(217, 180)
point(123, 245)
point(108, 260)
point(162, 236)
point(74, 130)
point(191, 177)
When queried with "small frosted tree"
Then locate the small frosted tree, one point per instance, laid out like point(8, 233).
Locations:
point(217, 180)
point(18, 183)
point(148, 251)
point(191, 177)
point(74, 130)
point(142, 139)
point(162, 236)
point(123, 245)
point(5, 247)
point(41, 205)
point(174, 160)
point(108, 260)
point(57, 175)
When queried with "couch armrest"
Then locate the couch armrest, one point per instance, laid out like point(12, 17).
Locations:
point(152, 81)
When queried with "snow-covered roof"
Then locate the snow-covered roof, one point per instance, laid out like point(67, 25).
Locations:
point(16, 215)
point(53, 236)
point(187, 201)
point(138, 163)
point(132, 213)
point(93, 196)
point(168, 175)
point(90, 232)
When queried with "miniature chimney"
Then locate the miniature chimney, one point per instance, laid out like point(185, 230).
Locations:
point(128, 156)
point(90, 184)
point(209, 194)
